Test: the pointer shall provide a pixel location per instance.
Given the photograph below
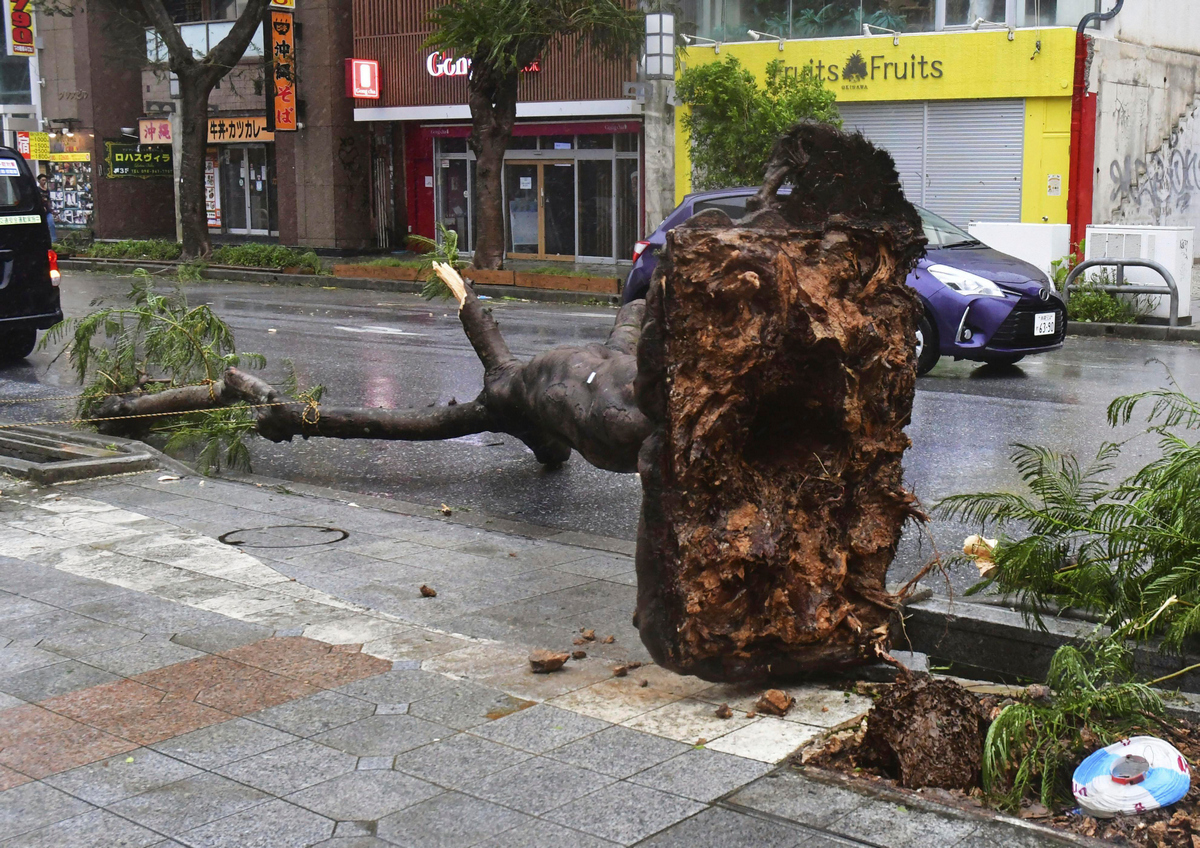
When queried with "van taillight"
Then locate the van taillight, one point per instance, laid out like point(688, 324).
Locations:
point(55, 276)
point(639, 248)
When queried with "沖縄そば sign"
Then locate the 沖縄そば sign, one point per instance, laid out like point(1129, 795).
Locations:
point(123, 160)
point(281, 72)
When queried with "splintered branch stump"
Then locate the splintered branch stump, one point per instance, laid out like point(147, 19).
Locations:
point(776, 368)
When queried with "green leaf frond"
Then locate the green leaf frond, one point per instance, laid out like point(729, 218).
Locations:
point(1032, 747)
point(216, 438)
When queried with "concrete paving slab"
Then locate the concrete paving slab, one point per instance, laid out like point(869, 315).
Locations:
point(290, 768)
point(625, 813)
point(449, 820)
point(364, 795)
point(538, 785)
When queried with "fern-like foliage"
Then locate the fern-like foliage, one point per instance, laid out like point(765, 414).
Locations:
point(445, 250)
point(155, 342)
point(1033, 747)
point(1128, 552)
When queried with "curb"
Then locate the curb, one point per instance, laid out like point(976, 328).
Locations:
point(1145, 332)
point(239, 275)
point(989, 641)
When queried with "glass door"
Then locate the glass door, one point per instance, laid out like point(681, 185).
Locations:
point(558, 210)
point(258, 204)
point(455, 199)
point(540, 205)
point(523, 221)
point(233, 189)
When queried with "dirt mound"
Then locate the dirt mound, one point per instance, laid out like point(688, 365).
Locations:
point(927, 732)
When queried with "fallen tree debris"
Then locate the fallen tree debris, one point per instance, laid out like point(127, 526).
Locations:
point(544, 662)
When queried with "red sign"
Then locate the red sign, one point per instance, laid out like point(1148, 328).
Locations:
point(23, 144)
point(362, 79)
point(283, 71)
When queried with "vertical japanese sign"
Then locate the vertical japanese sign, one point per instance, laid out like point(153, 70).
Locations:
point(281, 71)
point(212, 190)
point(19, 28)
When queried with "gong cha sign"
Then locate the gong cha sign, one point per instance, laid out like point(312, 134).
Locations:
point(20, 28)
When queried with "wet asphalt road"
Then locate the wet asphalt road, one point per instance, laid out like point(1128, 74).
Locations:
point(395, 350)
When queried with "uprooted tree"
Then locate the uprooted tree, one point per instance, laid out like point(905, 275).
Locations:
point(761, 392)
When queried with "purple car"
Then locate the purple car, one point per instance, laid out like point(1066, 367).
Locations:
point(980, 304)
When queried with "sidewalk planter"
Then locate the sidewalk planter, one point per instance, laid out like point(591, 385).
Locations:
point(598, 285)
point(378, 272)
point(489, 278)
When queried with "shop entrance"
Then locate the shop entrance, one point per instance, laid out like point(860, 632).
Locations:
point(247, 193)
point(540, 205)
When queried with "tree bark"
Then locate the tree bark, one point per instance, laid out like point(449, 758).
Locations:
point(577, 398)
point(493, 105)
point(777, 369)
point(197, 77)
point(193, 126)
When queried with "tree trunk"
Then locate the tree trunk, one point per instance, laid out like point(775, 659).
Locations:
point(493, 114)
point(777, 369)
point(193, 122)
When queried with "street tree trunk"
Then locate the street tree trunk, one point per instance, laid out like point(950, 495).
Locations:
point(197, 78)
point(761, 393)
point(493, 105)
point(193, 126)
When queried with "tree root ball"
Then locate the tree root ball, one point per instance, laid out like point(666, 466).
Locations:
point(927, 732)
point(776, 367)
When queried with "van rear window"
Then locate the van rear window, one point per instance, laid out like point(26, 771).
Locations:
point(17, 192)
point(734, 207)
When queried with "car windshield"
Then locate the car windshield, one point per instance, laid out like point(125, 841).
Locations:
point(941, 233)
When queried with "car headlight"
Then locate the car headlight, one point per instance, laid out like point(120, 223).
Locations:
point(965, 282)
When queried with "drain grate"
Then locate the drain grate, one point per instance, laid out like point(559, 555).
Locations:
point(46, 455)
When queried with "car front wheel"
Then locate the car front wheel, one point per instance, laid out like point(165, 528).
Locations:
point(927, 346)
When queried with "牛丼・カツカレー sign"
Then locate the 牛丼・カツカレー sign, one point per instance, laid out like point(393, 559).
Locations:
point(921, 66)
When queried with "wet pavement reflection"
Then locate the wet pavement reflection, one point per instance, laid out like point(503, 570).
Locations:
point(397, 350)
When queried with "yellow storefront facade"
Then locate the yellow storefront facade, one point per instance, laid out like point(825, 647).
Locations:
point(976, 120)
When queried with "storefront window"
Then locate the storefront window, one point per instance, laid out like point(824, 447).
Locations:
point(595, 207)
point(628, 195)
point(595, 142)
point(732, 20)
point(576, 196)
point(14, 80)
point(967, 12)
point(1054, 12)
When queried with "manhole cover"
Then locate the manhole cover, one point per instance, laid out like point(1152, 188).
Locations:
point(284, 536)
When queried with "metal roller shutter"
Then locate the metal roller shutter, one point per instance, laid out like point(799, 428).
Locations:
point(961, 159)
point(899, 127)
point(973, 158)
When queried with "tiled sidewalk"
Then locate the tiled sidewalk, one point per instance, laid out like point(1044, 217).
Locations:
point(158, 687)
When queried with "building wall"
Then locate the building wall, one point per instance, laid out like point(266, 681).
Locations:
point(1169, 24)
point(125, 208)
point(332, 156)
point(1147, 169)
point(392, 32)
point(970, 65)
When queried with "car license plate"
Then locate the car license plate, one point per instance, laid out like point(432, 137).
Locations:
point(1043, 324)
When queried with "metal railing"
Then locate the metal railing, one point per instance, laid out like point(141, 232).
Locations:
point(1120, 286)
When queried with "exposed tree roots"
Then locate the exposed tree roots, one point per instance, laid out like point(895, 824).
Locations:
point(777, 368)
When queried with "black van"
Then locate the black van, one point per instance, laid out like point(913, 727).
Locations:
point(28, 267)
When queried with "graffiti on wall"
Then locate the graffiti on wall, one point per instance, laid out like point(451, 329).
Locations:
point(1164, 187)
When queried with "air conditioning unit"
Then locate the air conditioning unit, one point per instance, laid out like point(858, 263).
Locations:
point(1171, 247)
